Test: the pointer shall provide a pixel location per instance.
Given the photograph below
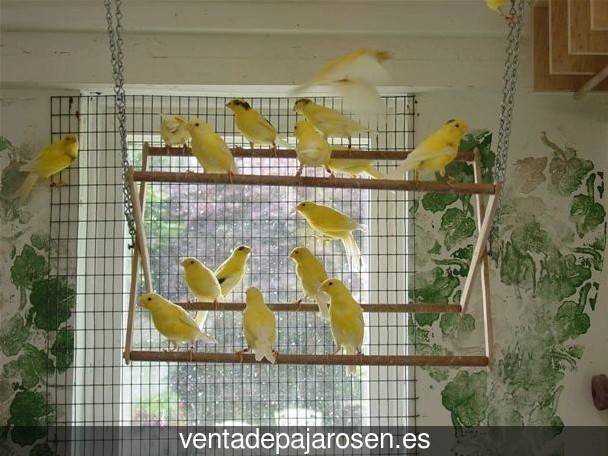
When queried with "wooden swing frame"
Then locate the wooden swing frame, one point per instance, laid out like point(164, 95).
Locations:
point(479, 260)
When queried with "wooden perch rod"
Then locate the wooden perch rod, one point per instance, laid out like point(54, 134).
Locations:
point(324, 182)
point(294, 307)
point(347, 360)
point(290, 153)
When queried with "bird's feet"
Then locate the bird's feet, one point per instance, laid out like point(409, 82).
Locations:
point(57, 184)
point(252, 147)
point(337, 351)
point(239, 354)
point(231, 177)
point(331, 173)
point(299, 171)
point(298, 303)
point(185, 148)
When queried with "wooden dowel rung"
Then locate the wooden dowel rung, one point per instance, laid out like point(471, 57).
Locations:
point(306, 307)
point(290, 153)
point(281, 358)
point(324, 182)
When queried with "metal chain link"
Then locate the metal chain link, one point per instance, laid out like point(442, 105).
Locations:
point(516, 15)
point(114, 22)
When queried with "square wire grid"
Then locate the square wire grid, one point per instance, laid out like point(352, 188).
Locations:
point(91, 255)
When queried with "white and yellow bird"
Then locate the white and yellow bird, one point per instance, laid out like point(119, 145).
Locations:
point(355, 77)
point(209, 148)
point(174, 131)
point(230, 273)
point(312, 149)
point(312, 274)
point(202, 283)
point(331, 123)
point(345, 317)
point(51, 160)
point(435, 152)
point(259, 326)
point(255, 127)
point(172, 321)
point(364, 65)
point(333, 224)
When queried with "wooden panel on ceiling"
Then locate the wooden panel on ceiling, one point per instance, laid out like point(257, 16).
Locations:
point(599, 15)
point(582, 39)
point(561, 61)
point(544, 81)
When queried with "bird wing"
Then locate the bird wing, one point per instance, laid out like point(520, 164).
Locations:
point(183, 317)
point(332, 221)
point(50, 161)
point(265, 124)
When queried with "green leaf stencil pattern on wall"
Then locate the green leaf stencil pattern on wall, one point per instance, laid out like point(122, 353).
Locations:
point(35, 336)
point(549, 258)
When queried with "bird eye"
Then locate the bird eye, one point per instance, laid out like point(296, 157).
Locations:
point(330, 284)
point(197, 124)
point(192, 262)
point(149, 299)
point(457, 125)
point(241, 248)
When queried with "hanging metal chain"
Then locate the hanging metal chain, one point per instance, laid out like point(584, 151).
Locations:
point(114, 21)
point(516, 17)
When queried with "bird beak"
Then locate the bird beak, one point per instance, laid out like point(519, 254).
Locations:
point(182, 263)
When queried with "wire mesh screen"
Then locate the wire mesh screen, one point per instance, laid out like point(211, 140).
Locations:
point(208, 222)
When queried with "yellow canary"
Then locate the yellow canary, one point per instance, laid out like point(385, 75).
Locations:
point(51, 160)
point(255, 127)
point(259, 326)
point(360, 65)
point(345, 317)
point(435, 152)
point(355, 77)
point(355, 167)
point(333, 224)
point(312, 148)
point(311, 273)
point(172, 321)
point(230, 273)
point(495, 5)
point(210, 149)
point(332, 124)
point(174, 131)
point(202, 283)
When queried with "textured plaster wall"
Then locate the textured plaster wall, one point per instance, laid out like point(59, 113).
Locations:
point(550, 320)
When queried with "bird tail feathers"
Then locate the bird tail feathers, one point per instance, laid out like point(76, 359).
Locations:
point(323, 303)
point(200, 318)
point(406, 165)
point(352, 370)
point(207, 338)
point(280, 141)
point(265, 352)
point(26, 188)
point(352, 250)
point(372, 171)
